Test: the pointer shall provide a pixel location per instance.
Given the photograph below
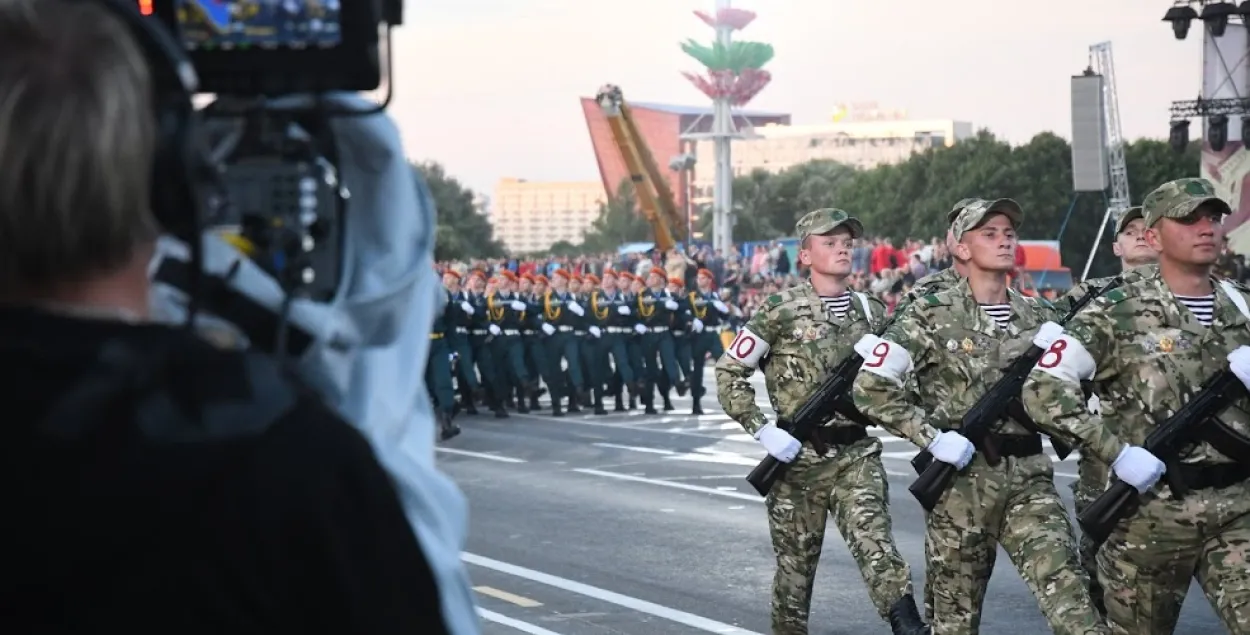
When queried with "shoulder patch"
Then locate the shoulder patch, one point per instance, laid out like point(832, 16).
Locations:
point(933, 300)
point(1114, 296)
point(775, 299)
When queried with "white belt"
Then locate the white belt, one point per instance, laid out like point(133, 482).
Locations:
point(564, 329)
point(658, 329)
point(511, 332)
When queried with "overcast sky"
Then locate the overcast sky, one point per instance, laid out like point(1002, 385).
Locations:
point(490, 87)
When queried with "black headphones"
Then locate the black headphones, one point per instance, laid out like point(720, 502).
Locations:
point(180, 159)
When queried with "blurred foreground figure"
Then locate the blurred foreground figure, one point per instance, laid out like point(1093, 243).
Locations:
point(154, 482)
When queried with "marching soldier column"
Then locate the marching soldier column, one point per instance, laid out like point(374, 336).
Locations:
point(1148, 376)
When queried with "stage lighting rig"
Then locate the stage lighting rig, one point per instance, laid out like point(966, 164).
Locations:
point(1215, 16)
point(1216, 112)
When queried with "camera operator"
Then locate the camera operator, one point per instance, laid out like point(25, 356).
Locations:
point(153, 481)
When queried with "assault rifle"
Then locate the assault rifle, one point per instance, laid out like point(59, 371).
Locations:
point(831, 397)
point(1196, 420)
point(1001, 401)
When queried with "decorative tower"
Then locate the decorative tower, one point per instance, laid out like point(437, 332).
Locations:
point(734, 75)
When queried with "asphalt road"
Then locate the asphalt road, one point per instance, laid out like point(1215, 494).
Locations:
point(643, 525)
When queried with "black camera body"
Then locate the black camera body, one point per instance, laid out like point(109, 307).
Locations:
point(265, 48)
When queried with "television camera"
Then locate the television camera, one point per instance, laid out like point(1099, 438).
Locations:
point(272, 187)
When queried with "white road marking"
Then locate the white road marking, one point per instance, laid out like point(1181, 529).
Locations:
point(510, 598)
point(524, 627)
point(642, 606)
point(479, 455)
point(755, 498)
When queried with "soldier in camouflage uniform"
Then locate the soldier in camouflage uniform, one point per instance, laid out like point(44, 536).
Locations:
point(1152, 344)
point(797, 337)
point(1137, 260)
point(935, 283)
point(946, 278)
point(955, 343)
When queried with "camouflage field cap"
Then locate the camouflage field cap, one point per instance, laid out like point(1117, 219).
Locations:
point(823, 221)
point(959, 207)
point(975, 213)
point(1179, 198)
point(1131, 214)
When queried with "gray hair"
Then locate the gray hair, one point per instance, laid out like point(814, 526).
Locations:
point(77, 139)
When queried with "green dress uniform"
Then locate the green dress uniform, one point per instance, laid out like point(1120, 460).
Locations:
point(438, 376)
point(681, 323)
point(708, 321)
point(595, 351)
point(507, 347)
point(483, 352)
point(459, 316)
point(562, 344)
point(657, 343)
point(535, 348)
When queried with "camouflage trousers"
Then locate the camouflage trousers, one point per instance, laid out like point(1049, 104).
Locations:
point(1091, 481)
point(1016, 505)
point(849, 483)
point(1148, 561)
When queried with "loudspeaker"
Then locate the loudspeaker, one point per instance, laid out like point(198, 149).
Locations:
point(1089, 136)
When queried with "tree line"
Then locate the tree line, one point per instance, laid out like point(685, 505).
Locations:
point(908, 199)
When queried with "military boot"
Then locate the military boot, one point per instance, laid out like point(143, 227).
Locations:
point(668, 404)
point(620, 404)
point(447, 429)
point(574, 407)
point(905, 618)
point(599, 409)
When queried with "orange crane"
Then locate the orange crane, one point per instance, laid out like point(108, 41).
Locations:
point(654, 195)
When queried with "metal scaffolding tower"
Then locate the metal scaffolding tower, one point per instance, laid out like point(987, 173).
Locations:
point(1118, 201)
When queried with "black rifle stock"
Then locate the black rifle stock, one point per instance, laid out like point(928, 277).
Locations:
point(1165, 442)
point(832, 396)
point(1001, 401)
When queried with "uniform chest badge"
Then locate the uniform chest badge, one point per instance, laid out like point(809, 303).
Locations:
point(815, 332)
point(1166, 344)
point(798, 333)
point(967, 345)
point(951, 346)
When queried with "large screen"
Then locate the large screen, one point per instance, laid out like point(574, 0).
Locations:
point(267, 24)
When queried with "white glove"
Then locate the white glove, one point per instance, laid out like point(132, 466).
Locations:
point(494, 329)
point(720, 306)
point(594, 330)
point(640, 329)
point(576, 308)
point(778, 443)
point(518, 305)
point(1094, 405)
point(623, 310)
point(1239, 363)
point(467, 308)
point(1047, 334)
point(1138, 467)
point(697, 325)
point(671, 305)
point(548, 329)
point(952, 448)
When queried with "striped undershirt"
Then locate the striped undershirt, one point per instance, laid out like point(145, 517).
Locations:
point(1000, 312)
point(837, 305)
point(1202, 306)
